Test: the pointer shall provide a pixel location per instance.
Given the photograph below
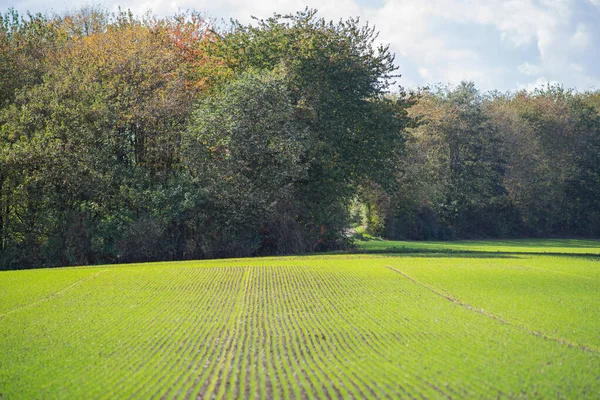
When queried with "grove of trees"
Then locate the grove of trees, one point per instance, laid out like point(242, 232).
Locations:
point(126, 138)
point(499, 165)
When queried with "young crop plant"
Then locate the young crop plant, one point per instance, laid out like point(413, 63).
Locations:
point(420, 325)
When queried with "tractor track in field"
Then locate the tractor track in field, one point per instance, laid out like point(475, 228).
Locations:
point(285, 331)
point(469, 307)
point(52, 295)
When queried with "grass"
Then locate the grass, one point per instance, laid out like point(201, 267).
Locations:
point(532, 246)
point(363, 326)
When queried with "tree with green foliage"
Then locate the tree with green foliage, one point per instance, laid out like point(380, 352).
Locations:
point(453, 174)
point(244, 151)
point(127, 138)
point(336, 78)
point(86, 147)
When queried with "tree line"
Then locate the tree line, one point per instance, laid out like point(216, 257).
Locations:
point(126, 138)
point(498, 165)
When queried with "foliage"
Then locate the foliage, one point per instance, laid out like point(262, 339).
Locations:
point(85, 144)
point(498, 165)
point(244, 150)
point(336, 79)
point(119, 132)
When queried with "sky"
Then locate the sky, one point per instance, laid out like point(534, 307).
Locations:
point(498, 44)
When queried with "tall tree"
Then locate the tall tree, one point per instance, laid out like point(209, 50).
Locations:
point(336, 77)
point(244, 151)
point(86, 141)
point(455, 168)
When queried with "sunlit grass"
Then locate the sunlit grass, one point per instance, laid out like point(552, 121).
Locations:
point(554, 246)
point(362, 326)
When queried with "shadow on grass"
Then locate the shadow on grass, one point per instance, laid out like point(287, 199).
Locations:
point(427, 253)
point(584, 247)
point(458, 253)
point(549, 243)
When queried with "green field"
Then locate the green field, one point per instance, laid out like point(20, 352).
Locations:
point(528, 246)
point(497, 322)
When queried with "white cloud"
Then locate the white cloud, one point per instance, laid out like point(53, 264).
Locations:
point(539, 83)
point(529, 69)
point(425, 74)
point(243, 10)
point(416, 30)
point(581, 38)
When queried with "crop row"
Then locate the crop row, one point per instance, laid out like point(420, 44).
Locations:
point(296, 328)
